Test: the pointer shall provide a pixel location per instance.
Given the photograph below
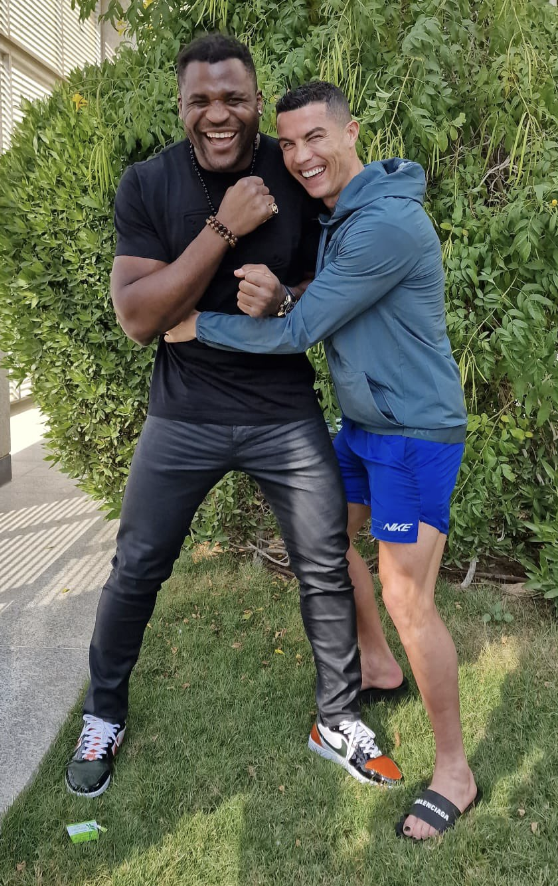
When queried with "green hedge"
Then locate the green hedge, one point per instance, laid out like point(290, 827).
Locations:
point(467, 89)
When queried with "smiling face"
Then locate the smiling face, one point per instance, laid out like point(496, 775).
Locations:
point(319, 150)
point(219, 105)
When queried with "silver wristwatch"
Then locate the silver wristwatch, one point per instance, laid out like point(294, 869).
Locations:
point(288, 302)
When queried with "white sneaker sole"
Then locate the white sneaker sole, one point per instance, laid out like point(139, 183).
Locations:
point(88, 795)
point(341, 761)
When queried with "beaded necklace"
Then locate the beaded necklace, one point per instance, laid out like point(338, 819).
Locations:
point(200, 176)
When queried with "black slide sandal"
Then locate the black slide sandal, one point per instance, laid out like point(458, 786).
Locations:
point(436, 810)
point(374, 693)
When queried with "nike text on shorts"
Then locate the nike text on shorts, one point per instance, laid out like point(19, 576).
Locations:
point(404, 480)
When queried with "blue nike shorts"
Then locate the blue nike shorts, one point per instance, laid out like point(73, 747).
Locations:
point(403, 480)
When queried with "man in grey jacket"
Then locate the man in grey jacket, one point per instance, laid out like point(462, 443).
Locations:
point(378, 304)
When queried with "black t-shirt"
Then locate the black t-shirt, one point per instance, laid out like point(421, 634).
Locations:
point(160, 208)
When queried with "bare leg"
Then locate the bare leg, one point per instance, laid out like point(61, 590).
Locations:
point(379, 667)
point(408, 574)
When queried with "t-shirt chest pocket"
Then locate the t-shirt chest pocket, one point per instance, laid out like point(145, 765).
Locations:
point(183, 228)
point(270, 244)
point(265, 245)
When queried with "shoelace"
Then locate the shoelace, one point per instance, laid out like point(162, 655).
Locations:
point(96, 736)
point(360, 735)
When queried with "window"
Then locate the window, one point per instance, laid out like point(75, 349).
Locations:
point(40, 43)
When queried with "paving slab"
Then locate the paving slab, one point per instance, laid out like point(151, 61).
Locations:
point(55, 552)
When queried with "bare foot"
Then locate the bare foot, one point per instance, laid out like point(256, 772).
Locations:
point(381, 675)
point(459, 787)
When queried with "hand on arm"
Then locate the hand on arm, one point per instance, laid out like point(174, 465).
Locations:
point(185, 331)
point(260, 294)
point(368, 266)
point(151, 296)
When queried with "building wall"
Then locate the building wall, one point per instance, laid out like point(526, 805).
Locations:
point(40, 43)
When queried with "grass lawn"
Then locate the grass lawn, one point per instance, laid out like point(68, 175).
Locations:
point(215, 785)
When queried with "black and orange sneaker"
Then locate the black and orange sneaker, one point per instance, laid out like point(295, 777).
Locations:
point(88, 772)
point(353, 746)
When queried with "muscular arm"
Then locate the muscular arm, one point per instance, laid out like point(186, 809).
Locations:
point(150, 296)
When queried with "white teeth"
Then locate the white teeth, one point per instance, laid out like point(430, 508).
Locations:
point(312, 172)
point(219, 134)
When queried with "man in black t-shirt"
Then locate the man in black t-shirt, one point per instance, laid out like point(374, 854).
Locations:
point(177, 216)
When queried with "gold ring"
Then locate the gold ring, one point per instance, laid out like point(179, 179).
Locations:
point(274, 208)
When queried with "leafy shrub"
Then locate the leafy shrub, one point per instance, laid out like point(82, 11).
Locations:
point(467, 89)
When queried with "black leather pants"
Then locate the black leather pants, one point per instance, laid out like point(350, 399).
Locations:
point(174, 467)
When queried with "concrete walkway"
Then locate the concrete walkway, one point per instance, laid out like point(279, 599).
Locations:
point(55, 551)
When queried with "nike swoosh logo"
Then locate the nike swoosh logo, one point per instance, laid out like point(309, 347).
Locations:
point(336, 743)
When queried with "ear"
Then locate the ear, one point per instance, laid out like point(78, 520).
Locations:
point(352, 130)
point(259, 102)
point(180, 109)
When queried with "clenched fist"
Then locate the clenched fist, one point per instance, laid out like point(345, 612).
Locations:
point(259, 292)
point(246, 206)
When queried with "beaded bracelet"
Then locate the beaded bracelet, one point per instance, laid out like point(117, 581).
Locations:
point(222, 230)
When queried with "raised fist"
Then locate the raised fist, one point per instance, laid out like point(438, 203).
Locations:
point(246, 206)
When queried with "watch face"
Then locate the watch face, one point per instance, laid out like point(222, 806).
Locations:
point(288, 302)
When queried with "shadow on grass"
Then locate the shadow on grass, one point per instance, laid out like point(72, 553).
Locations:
point(215, 785)
point(217, 733)
point(508, 679)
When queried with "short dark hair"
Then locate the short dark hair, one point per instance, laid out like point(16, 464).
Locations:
point(313, 92)
point(214, 48)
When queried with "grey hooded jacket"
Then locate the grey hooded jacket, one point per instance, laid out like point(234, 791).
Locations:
point(377, 301)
